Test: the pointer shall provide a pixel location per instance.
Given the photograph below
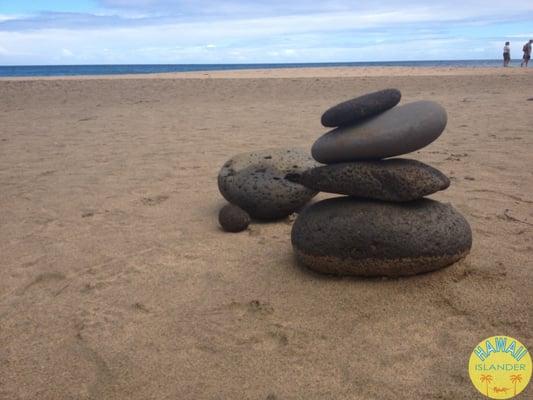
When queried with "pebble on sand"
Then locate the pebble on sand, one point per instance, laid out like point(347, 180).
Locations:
point(233, 218)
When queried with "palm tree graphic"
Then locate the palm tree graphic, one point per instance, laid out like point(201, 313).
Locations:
point(487, 379)
point(516, 379)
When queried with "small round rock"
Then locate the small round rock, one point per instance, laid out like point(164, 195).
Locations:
point(355, 110)
point(233, 218)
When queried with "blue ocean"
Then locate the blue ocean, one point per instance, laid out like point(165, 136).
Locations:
point(74, 70)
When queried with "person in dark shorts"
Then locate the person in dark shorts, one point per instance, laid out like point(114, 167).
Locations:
point(506, 54)
point(527, 53)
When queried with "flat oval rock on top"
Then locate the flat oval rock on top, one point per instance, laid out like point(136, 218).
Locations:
point(354, 110)
point(256, 182)
point(397, 131)
point(395, 179)
point(348, 236)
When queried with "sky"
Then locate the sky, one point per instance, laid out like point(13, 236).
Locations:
point(48, 32)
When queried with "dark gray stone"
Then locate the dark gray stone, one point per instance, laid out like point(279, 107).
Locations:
point(355, 110)
point(397, 131)
point(256, 182)
point(394, 179)
point(232, 218)
point(348, 236)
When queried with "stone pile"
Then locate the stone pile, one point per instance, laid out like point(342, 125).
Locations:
point(384, 226)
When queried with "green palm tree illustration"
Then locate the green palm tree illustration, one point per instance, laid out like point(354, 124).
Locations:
point(487, 379)
point(516, 379)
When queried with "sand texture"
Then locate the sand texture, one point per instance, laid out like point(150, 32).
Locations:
point(117, 283)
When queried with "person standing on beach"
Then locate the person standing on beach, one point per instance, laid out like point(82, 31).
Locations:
point(527, 53)
point(506, 54)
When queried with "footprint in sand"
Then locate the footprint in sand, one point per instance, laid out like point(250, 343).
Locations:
point(88, 213)
point(153, 201)
point(513, 197)
point(103, 374)
point(254, 307)
point(238, 325)
point(87, 119)
point(44, 278)
point(456, 156)
point(507, 217)
point(140, 307)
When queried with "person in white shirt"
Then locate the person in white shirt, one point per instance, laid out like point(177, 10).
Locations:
point(506, 54)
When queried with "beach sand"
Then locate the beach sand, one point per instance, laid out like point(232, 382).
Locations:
point(116, 281)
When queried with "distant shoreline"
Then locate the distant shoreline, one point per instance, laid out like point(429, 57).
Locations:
point(294, 73)
point(26, 71)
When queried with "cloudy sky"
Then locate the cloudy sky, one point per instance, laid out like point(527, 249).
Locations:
point(242, 31)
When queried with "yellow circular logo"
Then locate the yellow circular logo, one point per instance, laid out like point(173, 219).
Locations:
point(500, 367)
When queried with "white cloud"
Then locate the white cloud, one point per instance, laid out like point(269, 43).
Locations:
point(7, 17)
point(521, 35)
point(360, 33)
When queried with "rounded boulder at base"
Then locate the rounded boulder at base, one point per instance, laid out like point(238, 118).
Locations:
point(348, 236)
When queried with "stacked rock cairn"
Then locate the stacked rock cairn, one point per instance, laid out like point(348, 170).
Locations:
point(382, 225)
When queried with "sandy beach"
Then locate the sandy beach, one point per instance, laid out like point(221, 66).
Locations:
point(116, 281)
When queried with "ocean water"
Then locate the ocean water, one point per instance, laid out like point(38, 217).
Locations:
point(74, 70)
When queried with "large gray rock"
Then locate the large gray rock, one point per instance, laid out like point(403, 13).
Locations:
point(397, 131)
point(256, 182)
point(355, 110)
point(394, 179)
point(347, 236)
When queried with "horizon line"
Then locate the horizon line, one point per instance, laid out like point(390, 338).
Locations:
point(245, 63)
